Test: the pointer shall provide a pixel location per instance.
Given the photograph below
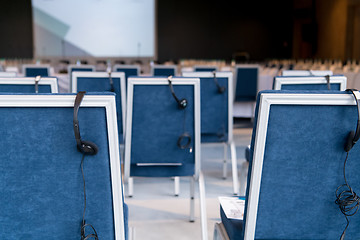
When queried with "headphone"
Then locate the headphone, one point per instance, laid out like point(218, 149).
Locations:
point(184, 140)
point(85, 147)
point(181, 103)
point(353, 137)
point(327, 77)
point(347, 200)
point(221, 89)
point(112, 89)
point(37, 80)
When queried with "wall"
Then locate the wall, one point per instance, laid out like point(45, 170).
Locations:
point(215, 29)
point(331, 16)
point(16, 40)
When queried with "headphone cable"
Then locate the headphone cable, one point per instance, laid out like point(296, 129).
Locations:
point(83, 224)
point(347, 200)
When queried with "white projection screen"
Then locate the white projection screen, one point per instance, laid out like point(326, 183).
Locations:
point(94, 28)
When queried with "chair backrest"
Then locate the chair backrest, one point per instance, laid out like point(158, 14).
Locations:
point(246, 81)
point(33, 70)
point(7, 74)
point(78, 68)
point(42, 193)
point(310, 83)
point(154, 123)
point(100, 82)
point(27, 85)
point(205, 68)
point(163, 70)
point(306, 73)
point(296, 165)
point(129, 70)
point(216, 106)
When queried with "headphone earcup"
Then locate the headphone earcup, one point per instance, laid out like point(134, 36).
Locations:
point(349, 141)
point(183, 103)
point(221, 89)
point(87, 147)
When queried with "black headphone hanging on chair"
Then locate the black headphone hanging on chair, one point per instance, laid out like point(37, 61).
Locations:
point(85, 147)
point(184, 141)
point(221, 89)
point(353, 137)
point(181, 103)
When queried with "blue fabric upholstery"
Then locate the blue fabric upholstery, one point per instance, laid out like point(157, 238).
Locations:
point(333, 86)
point(233, 227)
point(24, 88)
point(82, 69)
point(205, 69)
point(128, 72)
point(33, 72)
point(214, 110)
point(96, 84)
point(164, 72)
point(40, 181)
point(246, 84)
point(157, 123)
point(303, 163)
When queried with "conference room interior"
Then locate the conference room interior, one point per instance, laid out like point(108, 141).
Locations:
point(153, 119)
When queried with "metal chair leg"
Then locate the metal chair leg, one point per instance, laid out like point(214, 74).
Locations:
point(234, 169)
point(225, 161)
point(203, 215)
point(131, 186)
point(177, 186)
point(192, 199)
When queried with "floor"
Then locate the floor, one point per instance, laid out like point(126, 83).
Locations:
point(154, 211)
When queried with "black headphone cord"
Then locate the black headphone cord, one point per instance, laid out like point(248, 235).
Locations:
point(347, 200)
point(83, 224)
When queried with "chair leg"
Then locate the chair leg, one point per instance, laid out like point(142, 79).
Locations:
point(225, 161)
point(234, 169)
point(177, 186)
point(131, 186)
point(203, 215)
point(243, 177)
point(192, 199)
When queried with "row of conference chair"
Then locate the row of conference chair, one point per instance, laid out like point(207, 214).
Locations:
point(139, 166)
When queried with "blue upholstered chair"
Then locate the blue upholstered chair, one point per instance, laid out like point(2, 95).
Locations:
point(154, 124)
point(100, 82)
point(304, 73)
point(7, 74)
point(33, 70)
point(205, 68)
point(216, 114)
point(28, 85)
point(163, 70)
point(78, 68)
point(42, 191)
point(128, 70)
point(246, 80)
point(296, 165)
point(310, 83)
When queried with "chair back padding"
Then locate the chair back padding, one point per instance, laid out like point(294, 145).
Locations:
point(296, 165)
point(214, 105)
point(205, 68)
point(27, 85)
point(100, 82)
point(41, 181)
point(309, 83)
point(128, 70)
point(34, 70)
point(246, 82)
point(156, 122)
point(163, 70)
point(79, 68)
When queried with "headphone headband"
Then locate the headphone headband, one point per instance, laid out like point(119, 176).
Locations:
point(86, 147)
point(356, 95)
point(112, 89)
point(37, 79)
point(221, 89)
point(181, 103)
